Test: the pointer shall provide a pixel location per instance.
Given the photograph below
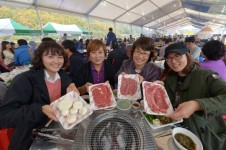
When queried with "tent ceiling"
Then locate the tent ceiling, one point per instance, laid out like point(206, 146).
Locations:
point(154, 14)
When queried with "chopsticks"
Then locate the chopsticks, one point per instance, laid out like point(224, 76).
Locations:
point(48, 123)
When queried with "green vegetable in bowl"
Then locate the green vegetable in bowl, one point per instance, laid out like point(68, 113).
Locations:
point(185, 141)
point(161, 119)
point(148, 117)
point(165, 120)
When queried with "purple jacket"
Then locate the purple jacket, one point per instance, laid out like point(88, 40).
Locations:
point(215, 65)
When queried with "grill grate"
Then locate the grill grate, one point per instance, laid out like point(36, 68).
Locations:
point(116, 130)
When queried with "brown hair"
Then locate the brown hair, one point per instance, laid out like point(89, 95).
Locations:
point(190, 65)
point(95, 45)
point(44, 49)
point(144, 43)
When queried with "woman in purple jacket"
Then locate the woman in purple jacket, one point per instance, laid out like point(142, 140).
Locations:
point(214, 51)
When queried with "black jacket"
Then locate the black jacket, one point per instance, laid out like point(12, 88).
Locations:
point(21, 108)
point(75, 61)
point(116, 57)
point(84, 74)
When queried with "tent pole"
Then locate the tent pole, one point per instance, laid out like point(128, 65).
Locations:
point(87, 19)
point(115, 28)
point(39, 21)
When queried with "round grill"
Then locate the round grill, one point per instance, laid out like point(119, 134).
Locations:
point(114, 131)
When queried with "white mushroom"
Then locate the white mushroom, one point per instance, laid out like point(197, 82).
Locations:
point(65, 104)
point(71, 119)
point(73, 111)
point(83, 111)
point(64, 112)
point(77, 105)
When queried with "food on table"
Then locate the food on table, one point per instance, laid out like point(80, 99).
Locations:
point(65, 104)
point(156, 122)
point(101, 95)
point(162, 119)
point(156, 97)
point(185, 141)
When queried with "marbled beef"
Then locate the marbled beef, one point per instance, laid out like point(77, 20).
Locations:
point(156, 98)
point(128, 86)
point(101, 95)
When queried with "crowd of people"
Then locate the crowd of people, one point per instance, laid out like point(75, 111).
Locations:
point(197, 89)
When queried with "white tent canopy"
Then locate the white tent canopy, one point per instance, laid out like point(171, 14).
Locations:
point(10, 27)
point(61, 28)
point(154, 14)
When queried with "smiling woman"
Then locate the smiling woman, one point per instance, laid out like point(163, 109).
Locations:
point(139, 64)
point(97, 70)
point(27, 101)
point(196, 94)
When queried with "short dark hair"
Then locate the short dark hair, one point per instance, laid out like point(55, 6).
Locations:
point(21, 42)
point(190, 39)
point(47, 39)
point(214, 50)
point(168, 40)
point(45, 48)
point(114, 44)
point(111, 29)
point(144, 43)
point(70, 45)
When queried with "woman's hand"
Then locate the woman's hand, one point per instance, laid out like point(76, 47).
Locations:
point(141, 79)
point(87, 85)
point(72, 87)
point(185, 110)
point(50, 112)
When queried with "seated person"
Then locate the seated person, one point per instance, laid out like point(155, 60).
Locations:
point(26, 103)
point(139, 62)
point(116, 56)
point(97, 70)
point(22, 54)
point(214, 51)
point(75, 58)
point(198, 96)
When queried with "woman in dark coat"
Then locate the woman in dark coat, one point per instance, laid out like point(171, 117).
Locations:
point(26, 104)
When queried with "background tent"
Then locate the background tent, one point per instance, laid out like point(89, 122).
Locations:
point(10, 27)
point(205, 32)
point(61, 29)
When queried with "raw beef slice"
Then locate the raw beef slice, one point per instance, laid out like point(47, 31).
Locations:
point(101, 95)
point(128, 86)
point(156, 98)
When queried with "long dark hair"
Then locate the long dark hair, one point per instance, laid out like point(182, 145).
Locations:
point(4, 43)
point(190, 65)
point(45, 48)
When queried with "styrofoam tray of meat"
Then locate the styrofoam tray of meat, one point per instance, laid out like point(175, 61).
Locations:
point(101, 96)
point(156, 99)
point(128, 87)
point(71, 109)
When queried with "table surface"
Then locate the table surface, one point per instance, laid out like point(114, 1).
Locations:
point(161, 142)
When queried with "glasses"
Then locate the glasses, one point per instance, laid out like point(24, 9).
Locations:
point(175, 57)
point(145, 54)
